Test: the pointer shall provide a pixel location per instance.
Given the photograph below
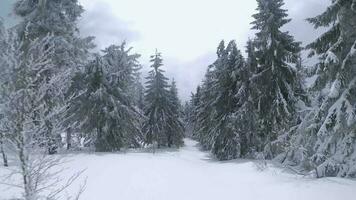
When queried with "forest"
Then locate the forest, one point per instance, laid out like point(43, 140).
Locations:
point(60, 96)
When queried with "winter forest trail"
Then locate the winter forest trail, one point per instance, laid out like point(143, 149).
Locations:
point(190, 174)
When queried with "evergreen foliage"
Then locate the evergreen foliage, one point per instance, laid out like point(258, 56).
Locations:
point(58, 19)
point(246, 107)
point(325, 140)
point(276, 75)
point(101, 100)
point(163, 127)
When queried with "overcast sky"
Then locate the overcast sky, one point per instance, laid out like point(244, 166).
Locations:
point(187, 32)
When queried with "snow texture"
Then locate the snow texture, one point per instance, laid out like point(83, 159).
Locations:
point(310, 81)
point(189, 174)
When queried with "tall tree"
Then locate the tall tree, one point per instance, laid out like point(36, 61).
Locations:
point(228, 80)
point(222, 94)
point(203, 102)
point(276, 76)
point(176, 128)
point(325, 141)
point(162, 127)
point(57, 18)
point(101, 103)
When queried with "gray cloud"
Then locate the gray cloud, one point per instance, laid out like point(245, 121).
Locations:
point(303, 31)
point(299, 11)
point(188, 74)
point(100, 21)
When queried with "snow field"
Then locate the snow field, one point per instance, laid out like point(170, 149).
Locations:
point(189, 174)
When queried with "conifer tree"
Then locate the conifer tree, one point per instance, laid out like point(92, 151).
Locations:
point(101, 103)
point(192, 120)
point(176, 128)
point(325, 140)
point(228, 80)
point(245, 113)
point(204, 111)
point(162, 127)
point(222, 94)
point(276, 76)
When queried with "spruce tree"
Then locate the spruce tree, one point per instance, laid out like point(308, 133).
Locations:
point(228, 80)
point(325, 140)
point(276, 76)
point(204, 111)
point(218, 101)
point(176, 127)
point(162, 127)
point(193, 117)
point(245, 113)
point(101, 103)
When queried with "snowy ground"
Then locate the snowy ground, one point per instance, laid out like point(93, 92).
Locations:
point(189, 174)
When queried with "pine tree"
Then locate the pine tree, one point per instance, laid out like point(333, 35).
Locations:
point(162, 127)
point(325, 141)
point(101, 103)
point(176, 128)
point(192, 120)
point(188, 110)
point(218, 101)
point(204, 111)
point(228, 80)
point(245, 113)
point(276, 76)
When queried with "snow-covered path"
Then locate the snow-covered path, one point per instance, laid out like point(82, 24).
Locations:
point(189, 174)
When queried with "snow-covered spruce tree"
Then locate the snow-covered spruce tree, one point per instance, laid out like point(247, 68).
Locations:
point(204, 111)
point(245, 112)
point(58, 18)
point(189, 118)
point(218, 101)
point(159, 109)
point(176, 127)
point(276, 76)
point(326, 139)
point(192, 114)
point(100, 102)
point(227, 97)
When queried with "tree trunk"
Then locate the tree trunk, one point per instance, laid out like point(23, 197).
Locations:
point(29, 193)
point(4, 157)
point(69, 138)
